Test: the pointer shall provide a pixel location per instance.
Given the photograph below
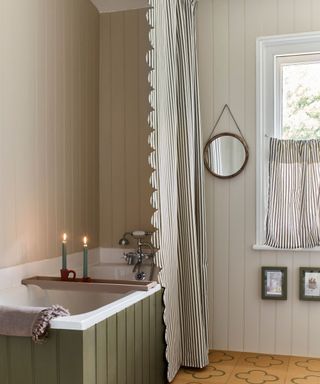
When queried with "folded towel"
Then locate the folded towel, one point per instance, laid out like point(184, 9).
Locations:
point(28, 321)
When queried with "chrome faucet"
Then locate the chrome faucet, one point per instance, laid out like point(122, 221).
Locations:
point(139, 256)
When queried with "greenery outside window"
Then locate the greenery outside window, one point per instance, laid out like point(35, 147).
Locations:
point(297, 99)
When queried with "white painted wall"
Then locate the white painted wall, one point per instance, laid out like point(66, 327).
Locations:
point(239, 319)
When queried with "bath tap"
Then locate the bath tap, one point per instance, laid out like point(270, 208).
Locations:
point(139, 256)
point(140, 275)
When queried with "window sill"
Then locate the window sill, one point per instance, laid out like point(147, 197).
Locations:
point(259, 247)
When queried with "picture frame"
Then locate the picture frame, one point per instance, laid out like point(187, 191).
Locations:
point(309, 282)
point(274, 283)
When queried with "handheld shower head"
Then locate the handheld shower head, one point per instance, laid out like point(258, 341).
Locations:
point(140, 233)
point(134, 234)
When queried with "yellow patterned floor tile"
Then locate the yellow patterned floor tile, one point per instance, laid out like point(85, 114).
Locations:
point(251, 368)
point(309, 378)
point(254, 375)
point(224, 358)
point(211, 374)
point(264, 361)
point(309, 365)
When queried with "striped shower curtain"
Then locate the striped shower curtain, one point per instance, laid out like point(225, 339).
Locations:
point(179, 181)
point(293, 217)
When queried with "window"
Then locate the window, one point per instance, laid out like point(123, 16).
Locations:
point(288, 102)
point(297, 99)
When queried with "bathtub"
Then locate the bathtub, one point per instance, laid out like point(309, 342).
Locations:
point(110, 338)
point(113, 270)
point(86, 308)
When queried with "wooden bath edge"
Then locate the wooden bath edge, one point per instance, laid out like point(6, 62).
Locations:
point(93, 285)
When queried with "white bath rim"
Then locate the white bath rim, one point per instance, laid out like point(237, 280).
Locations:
point(87, 320)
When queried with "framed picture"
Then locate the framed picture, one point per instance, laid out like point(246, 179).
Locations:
point(309, 283)
point(274, 283)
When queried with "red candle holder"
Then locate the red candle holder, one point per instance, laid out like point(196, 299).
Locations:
point(65, 274)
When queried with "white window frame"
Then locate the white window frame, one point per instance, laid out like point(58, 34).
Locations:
point(267, 50)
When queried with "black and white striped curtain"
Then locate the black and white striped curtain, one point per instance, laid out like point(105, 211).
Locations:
point(293, 217)
point(179, 180)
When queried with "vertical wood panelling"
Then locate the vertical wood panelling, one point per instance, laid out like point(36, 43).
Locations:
point(138, 342)
point(70, 355)
point(112, 349)
point(236, 73)
point(315, 12)
point(45, 361)
point(239, 319)
point(313, 316)
point(221, 189)
point(267, 326)
point(89, 356)
point(4, 366)
point(69, 147)
point(146, 341)
point(127, 348)
point(124, 145)
point(50, 124)
point(152, 339)
point(60, 115)
point(105, 134)
point(283, 324)
point(116, 5)
point(131, 101)
point(121, 347)
point(130, 345)
point(48, 49)
point(8, 66)
point(285, 16)
point(19, 349)
point(77, 170)
point(92, 213)
point(101, 352)
point(300, 309)
point(302, 15)
point(252, 262)
point(118, 147)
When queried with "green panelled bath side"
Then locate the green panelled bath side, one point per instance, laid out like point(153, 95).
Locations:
point(127, 348)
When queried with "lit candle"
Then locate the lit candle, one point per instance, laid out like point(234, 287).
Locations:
point(64, 251)
point(85, 257)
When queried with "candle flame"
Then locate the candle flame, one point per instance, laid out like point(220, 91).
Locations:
point(64, 237)
point(85, 240)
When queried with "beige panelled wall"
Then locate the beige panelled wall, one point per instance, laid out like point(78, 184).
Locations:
point(124, 149)
point(239, 319)
point(119, 5)
point(49, 113)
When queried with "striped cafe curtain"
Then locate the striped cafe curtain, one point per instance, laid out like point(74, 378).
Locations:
point(293, 216)
point(178, 178)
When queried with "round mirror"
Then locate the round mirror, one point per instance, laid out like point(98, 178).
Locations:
point(225, 155)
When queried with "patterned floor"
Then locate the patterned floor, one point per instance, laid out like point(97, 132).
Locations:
point(252, 368)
